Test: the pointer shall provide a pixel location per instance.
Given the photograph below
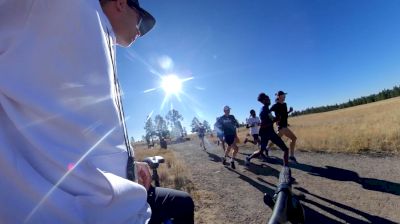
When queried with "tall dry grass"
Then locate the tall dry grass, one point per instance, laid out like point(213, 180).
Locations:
point(173, 173)
point(373, 127)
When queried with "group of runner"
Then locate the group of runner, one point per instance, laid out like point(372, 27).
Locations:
point(261, 129)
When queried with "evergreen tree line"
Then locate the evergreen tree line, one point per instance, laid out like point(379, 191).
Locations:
point(169, 127)
point(383, 95)
point(163, 128)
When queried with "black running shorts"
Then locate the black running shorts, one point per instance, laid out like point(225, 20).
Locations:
point(229, 139)
point(256, 138)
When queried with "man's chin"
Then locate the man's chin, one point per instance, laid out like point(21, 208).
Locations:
point(125, 43)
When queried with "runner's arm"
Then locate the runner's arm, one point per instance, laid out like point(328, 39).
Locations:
point(236, 122)
point(290, 110)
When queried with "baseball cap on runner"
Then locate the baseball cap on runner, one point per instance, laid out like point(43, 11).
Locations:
point(280, 92)
point(226, 108)
point(147, 20)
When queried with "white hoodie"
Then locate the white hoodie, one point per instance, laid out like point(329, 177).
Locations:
point(62, 152)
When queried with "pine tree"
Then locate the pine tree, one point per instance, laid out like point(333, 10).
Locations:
point(195, 124)
point(174, 119)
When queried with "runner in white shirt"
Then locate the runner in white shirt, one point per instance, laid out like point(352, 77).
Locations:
point(253, 122)
point(63, 143)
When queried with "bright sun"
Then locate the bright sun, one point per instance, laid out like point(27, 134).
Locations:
point(171, 84)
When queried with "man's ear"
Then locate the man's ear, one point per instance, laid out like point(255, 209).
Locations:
point(121, 5)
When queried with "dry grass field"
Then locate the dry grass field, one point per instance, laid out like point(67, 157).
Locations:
point(173, 173)
point(372, 128)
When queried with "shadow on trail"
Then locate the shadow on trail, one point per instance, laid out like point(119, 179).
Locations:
point(262, 188)
point(345, 217)
point(245, 154)
point(339, 174)
point(333, 173)
point(313, 216)
point(258, 169)
point(213, 157)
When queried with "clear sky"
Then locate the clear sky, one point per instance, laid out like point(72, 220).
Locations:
point(321, 52)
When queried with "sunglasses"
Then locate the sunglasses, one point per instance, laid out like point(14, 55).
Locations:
point(134, 6)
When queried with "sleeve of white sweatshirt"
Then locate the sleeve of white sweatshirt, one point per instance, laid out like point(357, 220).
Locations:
point(62, 153)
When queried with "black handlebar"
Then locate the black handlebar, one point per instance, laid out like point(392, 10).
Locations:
point(279, 214)
point(287, 207)
point(154, 162)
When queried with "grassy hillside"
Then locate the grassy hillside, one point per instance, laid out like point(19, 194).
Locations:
point(373, 127)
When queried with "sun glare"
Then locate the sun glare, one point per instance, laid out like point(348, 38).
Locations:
point(171, 84)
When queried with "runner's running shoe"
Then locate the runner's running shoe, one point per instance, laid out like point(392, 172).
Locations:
point(233, 165)
point(293, 159)
point(265, 156)
point(247, 161)
point(267, 153)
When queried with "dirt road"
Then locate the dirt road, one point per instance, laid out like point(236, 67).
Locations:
point(339, 188)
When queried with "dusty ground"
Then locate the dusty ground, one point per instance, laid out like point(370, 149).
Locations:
point(339, 188)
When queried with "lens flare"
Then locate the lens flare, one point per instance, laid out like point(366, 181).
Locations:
point(70, 169)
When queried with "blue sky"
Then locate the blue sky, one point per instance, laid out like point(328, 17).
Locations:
point(319, 51)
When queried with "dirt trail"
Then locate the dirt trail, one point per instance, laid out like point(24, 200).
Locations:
point(339, 188)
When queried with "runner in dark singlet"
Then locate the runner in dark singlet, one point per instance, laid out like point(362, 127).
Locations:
point(267, 132)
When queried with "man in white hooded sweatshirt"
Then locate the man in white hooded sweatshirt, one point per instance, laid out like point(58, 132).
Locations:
point(63, 143)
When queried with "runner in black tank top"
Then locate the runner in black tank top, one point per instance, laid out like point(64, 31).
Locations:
point(282, 113)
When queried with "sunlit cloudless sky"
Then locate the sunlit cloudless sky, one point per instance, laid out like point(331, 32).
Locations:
point(321, 52)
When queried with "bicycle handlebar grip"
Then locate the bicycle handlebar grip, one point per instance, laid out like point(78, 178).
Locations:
point(154, 161)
